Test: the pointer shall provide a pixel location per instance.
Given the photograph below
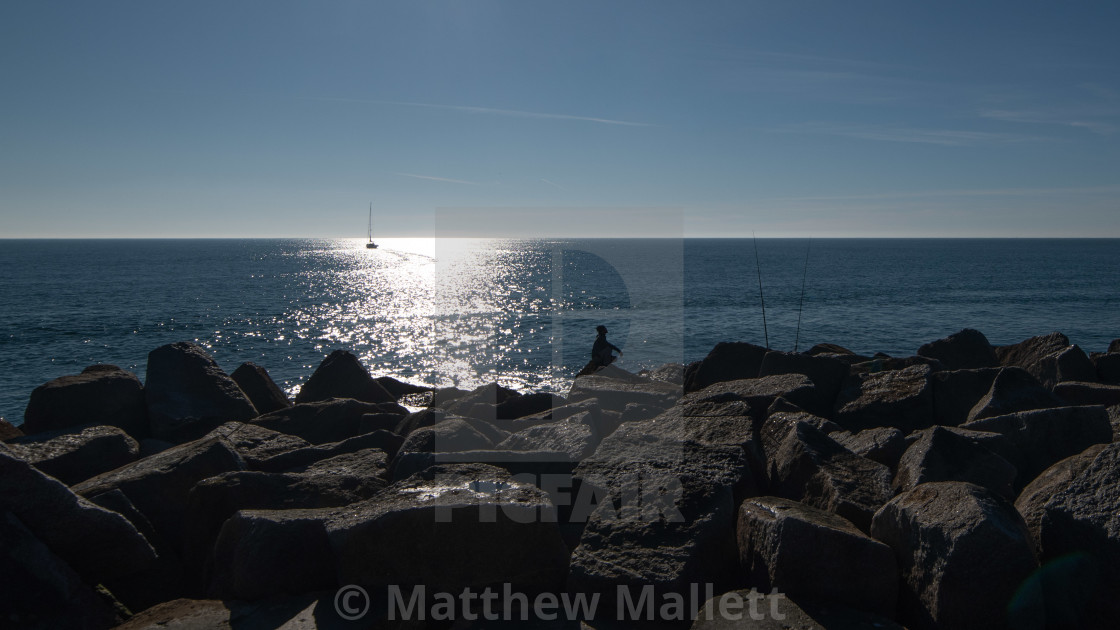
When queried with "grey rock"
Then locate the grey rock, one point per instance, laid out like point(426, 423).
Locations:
point(1108, 367)
point(385, 441)
point(966, 350)
point(1047, 436)
point(614, 394)
point(963, 552)
point(100, 395)
point(728, 361)
point(342, 375)
point(882, 444)
point(75, 457)
point(188, 395)
point(900, 398)
point(158, 485)
point(97, 543)
point(760, 393)
point(9, 431)
point(890, 364)
point(826, 373)
point(574, 437)
point(809, 554)
point(1080, 393)
point(256, 444)
point(527, 405)
point(810, 467)
point(956, 392)
point(944, 455)
point(265, 395)
point(672, 373)
point(1031, 502)
point(322, 421)
point(1013, 389)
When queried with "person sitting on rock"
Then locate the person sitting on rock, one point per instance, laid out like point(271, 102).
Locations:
point(601, 354)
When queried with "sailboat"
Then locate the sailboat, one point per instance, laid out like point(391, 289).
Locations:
point(371, 244)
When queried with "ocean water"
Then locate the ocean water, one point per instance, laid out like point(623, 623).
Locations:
point(465, 312)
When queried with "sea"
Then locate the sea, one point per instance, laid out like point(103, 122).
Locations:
point(464, 312)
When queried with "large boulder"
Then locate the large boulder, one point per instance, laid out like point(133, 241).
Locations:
point(614, 394)
point(1013, 389)
point(574, 437)
point(899, 398)
point(944, 455)
point(658, 512)
point(810, 467)
point(956, 392)
point(826, 373)
point(728, 361)
point(527, 405)
point(1081, 393)
point(385, 441)
point(100, 395)
point(265, 395)
point(322, 421)
point(882, 444)
point(159, 485)
point(1046, 436)
point(336, 482)
point(74, 457)
point(481, 402)
point(97, 543)
point(1028, 353)
point(809, 554)
point(1079, 540)
point(256, 444)
point(9, 431)
point(963, 552)
point(966, 350)
point(1031, 502)
point(188, 395)
point(41, 590)
point(1108, 367)
point(342, 375)
point(1049, 358)
point(760, 393)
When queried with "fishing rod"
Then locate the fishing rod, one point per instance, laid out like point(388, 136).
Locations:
point(758, 267)
point(801, 304)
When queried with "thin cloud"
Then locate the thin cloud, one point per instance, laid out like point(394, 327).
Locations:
point(439, 179)
point(899, 133)
point(491, 110)
point(1049, 118)
point(552, 183)
point(982, 192)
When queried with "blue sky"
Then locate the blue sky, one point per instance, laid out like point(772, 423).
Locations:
point(782, 118)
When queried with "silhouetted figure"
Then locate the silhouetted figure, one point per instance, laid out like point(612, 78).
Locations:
point(601, 353)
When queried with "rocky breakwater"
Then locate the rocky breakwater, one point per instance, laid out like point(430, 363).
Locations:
point(966, 486)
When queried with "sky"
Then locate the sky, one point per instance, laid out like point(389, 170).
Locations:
point(782, 118)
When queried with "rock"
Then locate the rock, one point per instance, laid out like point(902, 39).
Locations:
point(672, 373)
point(828, 348)
point(882, 444)
point(1050, 358)
point(387, 442)
point(158, 485)
point(303, 612)
point(743, 609)
point(256, 444)
point(966, 350)
point(659, 512)
point(728, 361)
point(901, 398)
point(527, 405)
point(1079, 536)
point(826, 373)
point(400, 389)
point(151, 446)
point(492, 395)
point(1047, 436)
point(342, 375)
point(455, 526)
point(1114, 419)
point(1013, 390)
point(810, 467)
point(943, 455)
point(760, 393)
point(322, 421)
point(573, 437)
point(1077, 393)
point(1108, 368)
point(188, 395)
point(890, 364)
point(780, 423)
point(74, 457)
point(382, 421)
point(336, 482)
point(265, 395)
point(100, 395)
point(963, 552)
point(96, 543)
point(262, 553)
point(8, 431)
point(41, 590)
point(614, 395)
point(809, 554)
point(419, 419)
point(451, 435)
point(956, 392)
point(1031, 502)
